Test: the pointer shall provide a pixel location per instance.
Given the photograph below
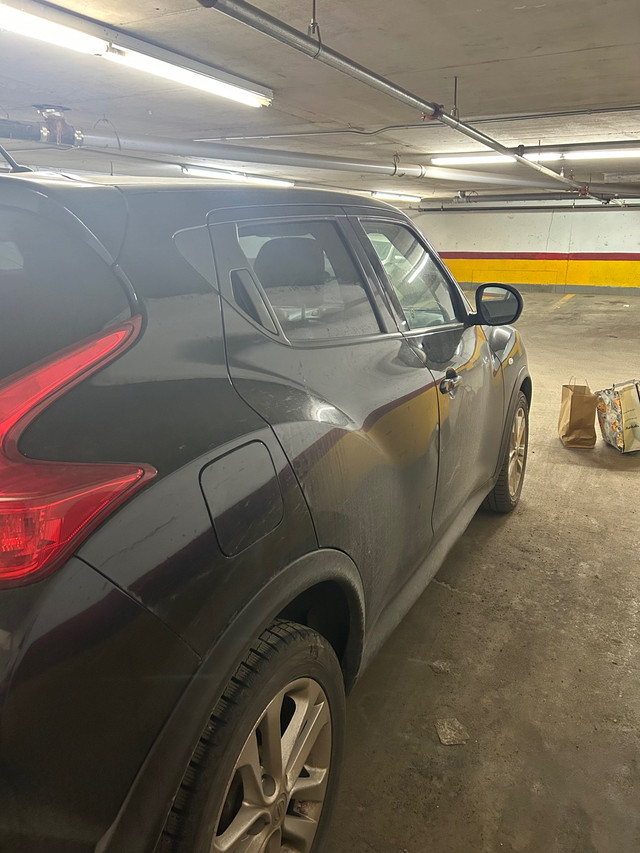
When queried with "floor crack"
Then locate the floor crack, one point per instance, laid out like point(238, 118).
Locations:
point(458, 591)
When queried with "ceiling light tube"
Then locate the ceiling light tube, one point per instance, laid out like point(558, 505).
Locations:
point(482, 159)
point(63, 29)
point(602, 154)
point(537, 157)
point(183, 76)
point(471, 159)
point(543, 156)
point(197, 172)
point(268, 182)
point(26, 24)
point(237, 177)
point(396, 196)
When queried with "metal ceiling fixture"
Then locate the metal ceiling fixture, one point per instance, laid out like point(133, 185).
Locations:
point(264, 23)
point(55, 128)
point(314, 25)
point(62, 28)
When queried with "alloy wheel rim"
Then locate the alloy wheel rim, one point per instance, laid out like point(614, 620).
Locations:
point(517, 451)
point(276, 792)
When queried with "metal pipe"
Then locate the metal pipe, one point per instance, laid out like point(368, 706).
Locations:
point(502, 207)
point(469, 200)
point(387, 128)
point(169, 147)
point(295, 159)
point(270, 26)
point(221, 151)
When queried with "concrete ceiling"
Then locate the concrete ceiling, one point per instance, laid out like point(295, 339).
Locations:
point(516, 62)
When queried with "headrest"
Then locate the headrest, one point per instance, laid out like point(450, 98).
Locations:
point(290, 262)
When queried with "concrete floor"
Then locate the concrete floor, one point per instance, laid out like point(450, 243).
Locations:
point(537, 614)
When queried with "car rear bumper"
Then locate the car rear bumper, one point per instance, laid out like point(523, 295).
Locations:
point(87, 679)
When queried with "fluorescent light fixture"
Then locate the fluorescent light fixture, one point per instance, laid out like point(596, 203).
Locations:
point(483, 159)
point(237, 177)
point(76, 34)
point(396, 196)
point(197, 172)
point(471, 159)
point(543, 156)
point(183, 76)
point(538, 157)
point(603, 154)
point(26, 24)
point(267, 182)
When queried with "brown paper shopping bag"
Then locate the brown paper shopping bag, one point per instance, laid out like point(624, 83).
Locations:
point(576, 426)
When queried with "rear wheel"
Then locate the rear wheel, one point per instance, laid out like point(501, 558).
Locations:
point(263, 776)
point(505, 494)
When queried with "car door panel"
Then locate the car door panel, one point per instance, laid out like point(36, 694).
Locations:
point(471, 415)
point(358, 420)
point(457, 354)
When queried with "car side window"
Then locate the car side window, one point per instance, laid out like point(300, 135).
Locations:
point(422, 290)
point(309, 278)
point(54, 290)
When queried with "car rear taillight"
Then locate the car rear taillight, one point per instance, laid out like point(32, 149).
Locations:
point(47, 508)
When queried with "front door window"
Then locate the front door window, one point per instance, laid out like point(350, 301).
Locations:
point(422, 290)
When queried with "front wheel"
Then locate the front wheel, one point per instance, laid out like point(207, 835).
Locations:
point(505, 494)
point(263, 776)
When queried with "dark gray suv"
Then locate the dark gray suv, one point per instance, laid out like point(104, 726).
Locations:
point(239, 431)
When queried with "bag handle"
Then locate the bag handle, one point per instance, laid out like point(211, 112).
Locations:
point(573, 378)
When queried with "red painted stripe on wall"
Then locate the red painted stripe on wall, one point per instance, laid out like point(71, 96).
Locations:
point(545, 256)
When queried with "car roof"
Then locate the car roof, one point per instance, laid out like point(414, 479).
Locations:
point(225, 194)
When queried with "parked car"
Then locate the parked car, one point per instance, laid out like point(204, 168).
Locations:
point(239, 431)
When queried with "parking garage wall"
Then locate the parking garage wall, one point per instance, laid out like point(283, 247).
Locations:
point(557, 250)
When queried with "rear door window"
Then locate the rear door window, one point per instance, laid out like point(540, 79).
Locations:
point(309, 278)
point(54, 290)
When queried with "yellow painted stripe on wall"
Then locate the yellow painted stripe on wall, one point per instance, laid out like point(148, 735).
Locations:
point(601, 273)
point(604, 273)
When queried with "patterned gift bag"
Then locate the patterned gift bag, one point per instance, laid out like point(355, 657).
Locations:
point(619, 415)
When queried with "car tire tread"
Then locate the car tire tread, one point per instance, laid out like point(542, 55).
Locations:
point(499, 499)
point(261, 656)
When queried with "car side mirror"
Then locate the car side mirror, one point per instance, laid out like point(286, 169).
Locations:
point(497, 304)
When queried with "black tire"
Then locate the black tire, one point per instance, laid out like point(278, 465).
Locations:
point(505, 494)
point(289, 675)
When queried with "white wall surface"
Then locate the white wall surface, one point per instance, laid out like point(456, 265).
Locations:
point(532, 231)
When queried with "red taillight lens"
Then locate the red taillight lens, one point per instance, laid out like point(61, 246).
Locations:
point(46, 508)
